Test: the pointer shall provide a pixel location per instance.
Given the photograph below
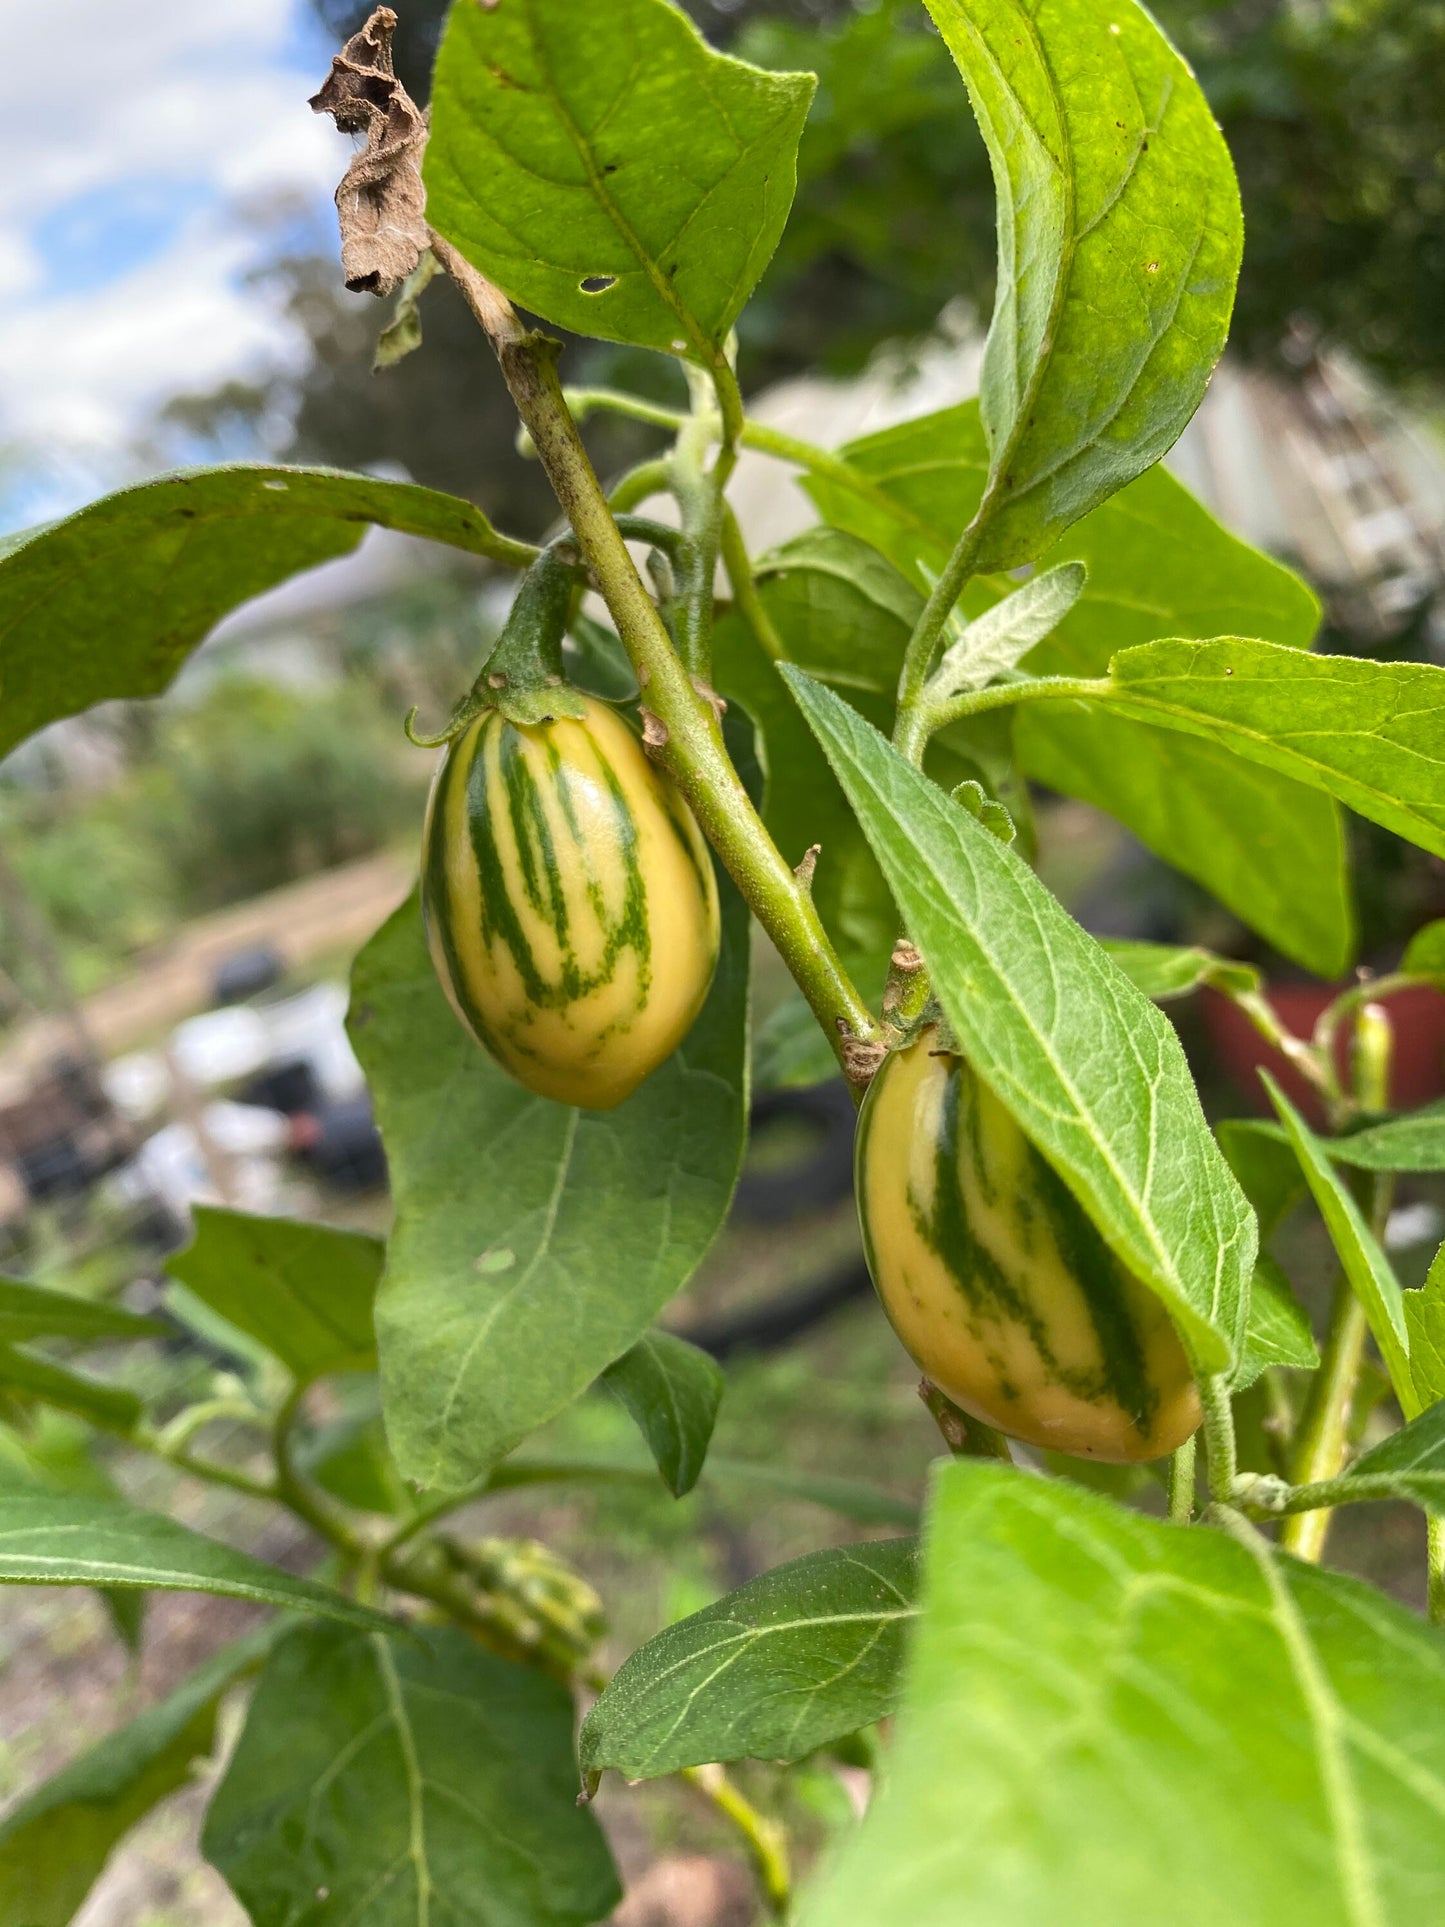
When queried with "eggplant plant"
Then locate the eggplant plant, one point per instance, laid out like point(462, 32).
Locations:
point(1089, 1712)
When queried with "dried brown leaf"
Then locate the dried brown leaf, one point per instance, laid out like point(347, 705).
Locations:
point(381, 200)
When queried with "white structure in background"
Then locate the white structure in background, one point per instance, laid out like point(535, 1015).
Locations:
point(1329, 472)
point(178, 1164)
point(176, 1167)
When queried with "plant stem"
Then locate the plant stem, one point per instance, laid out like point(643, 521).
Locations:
point(750, 604)
point(763, 440)
point(633, 488)
point(1322, 1441)
point(1320, 1446)
point(1221, 1455)
point(766, 1841)
point(1181, 1481)
point(689, 741)
point(914, 724)
point(966, 1437)
point(1435, 1526)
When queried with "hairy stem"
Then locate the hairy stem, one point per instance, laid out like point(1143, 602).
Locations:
point(689, 740)
point(915, 724)
point(1181, 1481)
point(1435, 1526)
point(1221, 1455)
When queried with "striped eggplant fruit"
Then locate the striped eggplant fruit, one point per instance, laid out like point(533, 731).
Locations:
point(997, 1281)
point(570, 903)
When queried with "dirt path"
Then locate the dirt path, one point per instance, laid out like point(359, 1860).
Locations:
point(335, 911)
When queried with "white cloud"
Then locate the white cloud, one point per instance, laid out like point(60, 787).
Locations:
point(200, 94)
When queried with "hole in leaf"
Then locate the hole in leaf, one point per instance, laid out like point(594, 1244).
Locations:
point(279, 487)
point(599, 283)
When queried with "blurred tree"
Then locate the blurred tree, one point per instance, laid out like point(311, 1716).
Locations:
point(1332, 108)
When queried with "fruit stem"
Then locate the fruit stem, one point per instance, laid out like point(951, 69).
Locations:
point(689, 743)
point(965, 1437)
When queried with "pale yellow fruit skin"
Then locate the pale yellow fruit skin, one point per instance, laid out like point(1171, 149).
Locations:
point(944, 1303)
point(615, 982)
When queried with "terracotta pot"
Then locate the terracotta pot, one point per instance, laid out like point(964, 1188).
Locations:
point(1417, 1018)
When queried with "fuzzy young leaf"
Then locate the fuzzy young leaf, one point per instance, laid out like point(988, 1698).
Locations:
point(1120, 234)
point(801, 1656)
point(1092, 1071)
point(534, 1244)
point(1370, 733)
point(1089, 1692)
point(1278, 1333)
point(449, 1791)
point(608, 169)
point(54, 1844)
point(34, 1311)
point(47, 1539)
point(1165, 973)
point(1368, 1269)
point(111, 601)
point(303, 1290)
point(999, 639)
point(671, 1391)
point(1159, 565)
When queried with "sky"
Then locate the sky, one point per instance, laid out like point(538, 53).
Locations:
point(140, 144)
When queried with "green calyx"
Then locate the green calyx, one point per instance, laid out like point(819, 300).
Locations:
point(522, 677)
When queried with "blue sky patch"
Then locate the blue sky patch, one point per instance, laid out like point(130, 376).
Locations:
point(110, 231)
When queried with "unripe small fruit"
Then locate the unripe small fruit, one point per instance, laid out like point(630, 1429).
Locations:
point(570, 902)
point(997, 1281)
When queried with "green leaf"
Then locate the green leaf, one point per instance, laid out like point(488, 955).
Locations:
point(1368, 1269)
point(303, 1291)
point(534, 1244)
point(51, 1540)
point(1262, 1158)
point(805, 807)
point(55, 1843)
point(671, 1391)
point(1425, 1323)
point(1093, 1072)
point(1120, 235)
point(1412, 1459)
point(1278, 1333)
point(1371, 734)
point(842, 609)
point(1413, 1143)
point(1158, 565)
point(866, 1505)
point(1165, 973)
point(790, 1052)
point(33, 1377)
point(350, 1460)
point(111, 601)
point(33, 1311)
point(803, 1655)
point(1111, 1720)
point(1425, 953)
point(609, 170)
point(406, 1783)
